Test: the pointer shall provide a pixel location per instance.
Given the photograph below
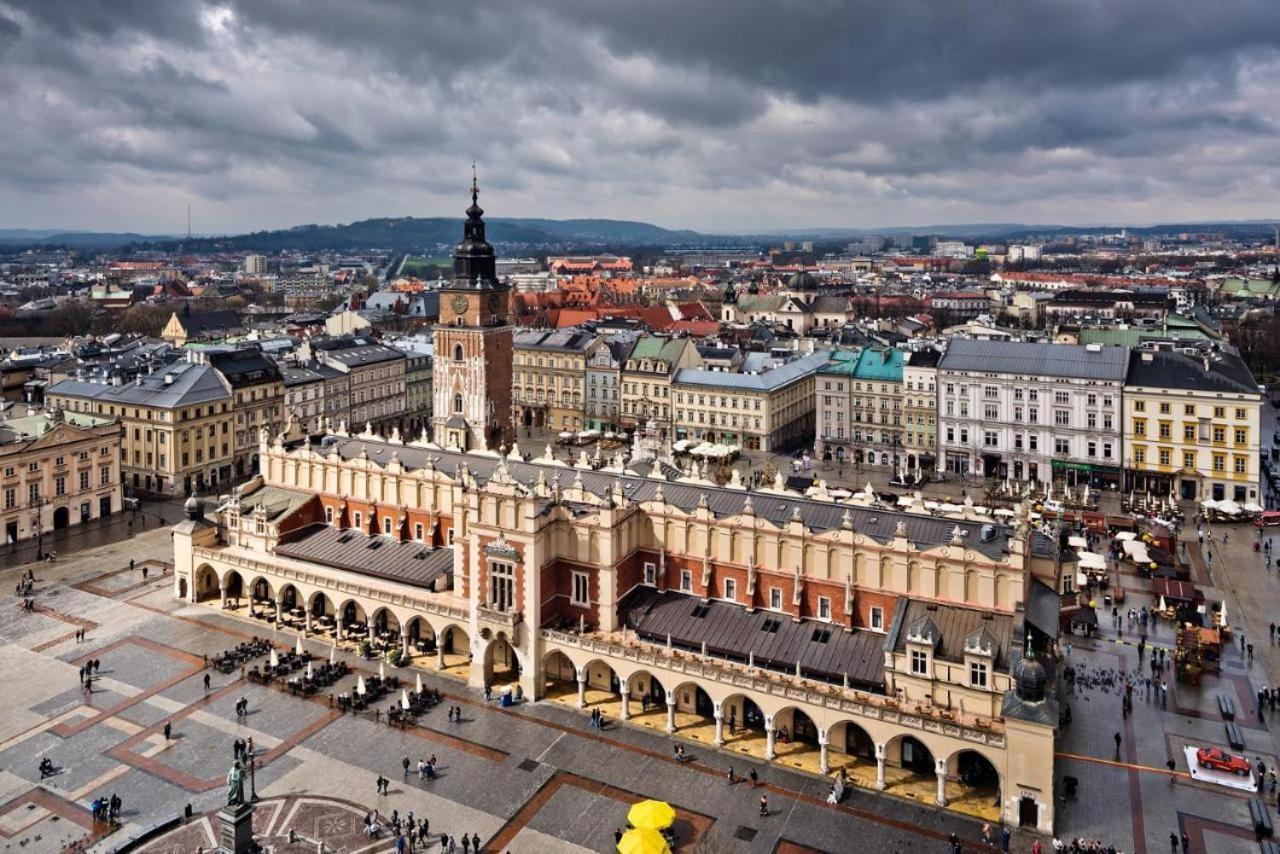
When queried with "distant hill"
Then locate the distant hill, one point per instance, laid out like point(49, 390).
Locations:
point(429, 234)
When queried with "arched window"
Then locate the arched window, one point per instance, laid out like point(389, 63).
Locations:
point(457, 352)
point(457, 402)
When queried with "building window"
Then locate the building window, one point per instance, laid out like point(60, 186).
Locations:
point(1164, 457)
point(581, 591)
point(977, 674)
point(328, 515)
point(877, 619)
point(824, 608)
point(357, 518)
point(730, 589)
point(650, 573)
point(418, 531)
point(502, 586)
point(686, 581)
point(1189, 460)
point(457, 352)
point(457, 403)
point(1239, 464)
point(1061, 447)
point(919, 663)
point(386, 525)
point(775, 598)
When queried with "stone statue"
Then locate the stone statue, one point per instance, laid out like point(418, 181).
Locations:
point(235, 785)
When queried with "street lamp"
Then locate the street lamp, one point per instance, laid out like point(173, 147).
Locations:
point(253, 763)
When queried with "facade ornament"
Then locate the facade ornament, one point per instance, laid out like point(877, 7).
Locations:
point(957, 536)
point(797, 595)
point(748, 507)
point(900, 530)
point(848, 593)
point(846, 520)
point(751, 578)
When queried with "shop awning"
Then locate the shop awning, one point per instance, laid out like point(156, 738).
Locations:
point(1170, 588)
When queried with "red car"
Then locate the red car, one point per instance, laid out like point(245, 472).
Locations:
point(1220, 760)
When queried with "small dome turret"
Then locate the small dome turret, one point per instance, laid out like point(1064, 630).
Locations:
point(1030, 678)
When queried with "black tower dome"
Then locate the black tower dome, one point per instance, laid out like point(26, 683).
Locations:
point(474, 264)
point(1029, 677)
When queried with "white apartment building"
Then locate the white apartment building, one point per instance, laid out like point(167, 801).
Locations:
point(1041, 412)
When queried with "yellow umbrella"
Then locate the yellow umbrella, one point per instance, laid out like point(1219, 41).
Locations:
point(651, 815)
point(641, 840)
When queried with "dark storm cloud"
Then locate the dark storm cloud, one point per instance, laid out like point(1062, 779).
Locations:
point(715, 114)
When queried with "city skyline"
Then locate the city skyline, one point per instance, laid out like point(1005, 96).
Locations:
point(852, 115)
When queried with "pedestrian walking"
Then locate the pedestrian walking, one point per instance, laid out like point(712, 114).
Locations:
point(729, 776)
point(1004, 839)
point(1117, 738)
point(1173, 843)
point(755, 778)
point(405, 764)
point(206, 682)
point(168, 730)
point(1186, 843)
point(475, 842)
point(764, 805)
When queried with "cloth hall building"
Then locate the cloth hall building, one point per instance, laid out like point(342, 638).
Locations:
point(902, 650)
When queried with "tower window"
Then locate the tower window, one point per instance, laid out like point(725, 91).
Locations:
point(457, 352)
point(457, 403)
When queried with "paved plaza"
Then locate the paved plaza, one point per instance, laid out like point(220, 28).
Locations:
point(530, 778)
point(534, 777)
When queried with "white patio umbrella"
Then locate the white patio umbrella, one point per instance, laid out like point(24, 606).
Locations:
point(1162, 603)
point(404, 699)
point(382, 670)
point(275, 659)
point(333, 653)
point(360, 687)
point(297, 647)
point(418, 684)
point(310, 673)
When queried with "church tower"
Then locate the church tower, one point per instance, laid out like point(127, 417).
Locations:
point(471, 406)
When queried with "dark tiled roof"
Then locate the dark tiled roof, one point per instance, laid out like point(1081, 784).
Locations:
point(824, 651)
point(381, 557)
point(1170, 369)
point(1043, 607)
point(877, 523)
point(199, 323)
point(954, 624)
point(1090, 362)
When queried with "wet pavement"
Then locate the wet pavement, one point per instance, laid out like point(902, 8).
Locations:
point(98, 532)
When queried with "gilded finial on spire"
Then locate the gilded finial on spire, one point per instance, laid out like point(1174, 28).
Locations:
point(475, 187)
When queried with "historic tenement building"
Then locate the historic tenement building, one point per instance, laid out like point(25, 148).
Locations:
point(892, 645)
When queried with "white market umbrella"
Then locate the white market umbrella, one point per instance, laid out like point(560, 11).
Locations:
point(333, 653)
point(1162, 604)
point(382, 670)
point(297, 647)
point(418, 684)
point(360, 687)
point(275, 660)
point(404, 699)
point(310, 674)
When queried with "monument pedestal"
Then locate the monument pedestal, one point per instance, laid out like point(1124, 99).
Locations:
point(235, 832)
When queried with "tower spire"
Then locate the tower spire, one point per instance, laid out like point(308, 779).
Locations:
point(475, 187)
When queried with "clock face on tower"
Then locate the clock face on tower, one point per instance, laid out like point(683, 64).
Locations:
point(459, 304)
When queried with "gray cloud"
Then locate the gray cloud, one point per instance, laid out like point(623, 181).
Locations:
point(719, 115)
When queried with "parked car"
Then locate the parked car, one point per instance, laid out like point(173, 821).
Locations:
point(1220, 760)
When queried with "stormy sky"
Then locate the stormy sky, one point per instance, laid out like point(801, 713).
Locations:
point(719, 115)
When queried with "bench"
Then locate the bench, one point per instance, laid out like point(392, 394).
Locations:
point(1260, 817)
point(1235, 738)
point(1227, 707)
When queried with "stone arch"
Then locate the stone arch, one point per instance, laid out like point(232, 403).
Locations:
point(261, 591)
point(973, 779)
point(206, 582)
point(694, 700)
point(849, 743)
point(384, 619)
point(351, 614)
point(453, 646)
point(289, 596)
point(910, 754)
point(419, 631)
point(646, 697)
point(232, 584)
point(319, 604)
point(502, 662)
